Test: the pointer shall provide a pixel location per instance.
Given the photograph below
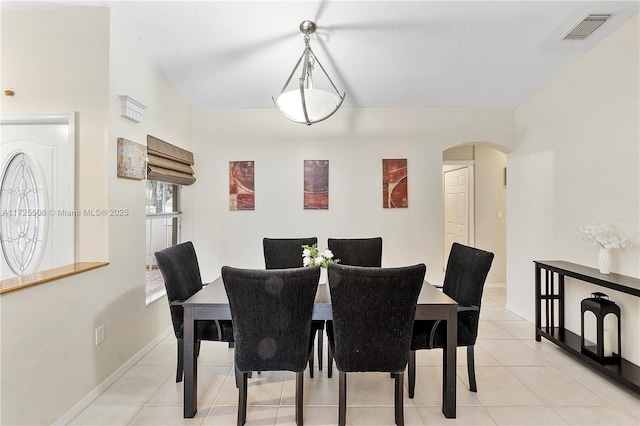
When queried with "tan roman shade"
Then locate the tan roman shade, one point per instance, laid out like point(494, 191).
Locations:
point(168, 163)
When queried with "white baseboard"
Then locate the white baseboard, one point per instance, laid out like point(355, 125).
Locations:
point(87, 400)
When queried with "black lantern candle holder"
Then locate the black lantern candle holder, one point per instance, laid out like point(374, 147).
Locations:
point(607, 347)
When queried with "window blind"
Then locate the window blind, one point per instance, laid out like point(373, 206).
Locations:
point(168, 163)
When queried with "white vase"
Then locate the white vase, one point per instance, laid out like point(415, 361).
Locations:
point(323, 275)
point(604, 260)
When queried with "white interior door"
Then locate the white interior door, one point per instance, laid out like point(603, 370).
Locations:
point(37, 196)
point(456, 208)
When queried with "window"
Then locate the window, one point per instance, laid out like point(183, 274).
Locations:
point(163, 229)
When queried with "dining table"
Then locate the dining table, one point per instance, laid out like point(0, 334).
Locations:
point(211, 303)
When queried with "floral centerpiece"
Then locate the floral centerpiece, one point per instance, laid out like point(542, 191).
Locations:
point(607, 238)
point(311, 256)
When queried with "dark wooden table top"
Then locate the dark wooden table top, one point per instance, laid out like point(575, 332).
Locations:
point(215, 296)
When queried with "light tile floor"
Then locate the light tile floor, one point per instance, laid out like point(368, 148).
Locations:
point(520, 382)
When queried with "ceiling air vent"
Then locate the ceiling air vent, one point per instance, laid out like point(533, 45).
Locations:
point(585, 27)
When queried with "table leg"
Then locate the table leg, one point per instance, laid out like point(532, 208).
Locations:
point(449, 368)
point(561, 302)
point(190, 366)
point(538, 303)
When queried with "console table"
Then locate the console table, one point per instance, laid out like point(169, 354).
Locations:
point(554, 273)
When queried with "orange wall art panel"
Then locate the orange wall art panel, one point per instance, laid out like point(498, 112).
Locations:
point(316, 184)
point(394, 183)
point(241, 185)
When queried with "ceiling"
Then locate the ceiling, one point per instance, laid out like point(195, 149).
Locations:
point(384, 54)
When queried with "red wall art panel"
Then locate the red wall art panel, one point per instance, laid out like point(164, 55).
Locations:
point(394, 183)
point(316, 184)
point(241, 186)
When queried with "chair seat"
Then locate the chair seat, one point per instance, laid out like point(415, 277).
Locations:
point(207, 330)
point(422, 334)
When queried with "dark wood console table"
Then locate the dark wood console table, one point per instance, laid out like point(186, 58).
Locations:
point(554, 272)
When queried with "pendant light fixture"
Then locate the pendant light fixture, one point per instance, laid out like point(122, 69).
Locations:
point(306, 104)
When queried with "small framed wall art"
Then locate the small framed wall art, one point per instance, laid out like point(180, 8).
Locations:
point(316, 184)
point(241, 185)
point(132, 159)
point(394, 183)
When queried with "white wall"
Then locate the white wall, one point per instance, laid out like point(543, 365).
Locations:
point(168, 117)
point(354, 142)
point(491, 197)
point(81, 60)
point(577, 160)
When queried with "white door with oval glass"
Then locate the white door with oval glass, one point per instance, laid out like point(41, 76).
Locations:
point(37, 192)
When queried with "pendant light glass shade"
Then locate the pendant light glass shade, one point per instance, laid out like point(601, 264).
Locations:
point(305, 104)
point(320, 105)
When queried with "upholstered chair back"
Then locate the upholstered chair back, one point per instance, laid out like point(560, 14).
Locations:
point(271, 312)
point(357, 251)
point(373, 313)
point(467, 270)
point(179, 268)
point(284, 253)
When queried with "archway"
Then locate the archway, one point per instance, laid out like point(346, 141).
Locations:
point(475, 202)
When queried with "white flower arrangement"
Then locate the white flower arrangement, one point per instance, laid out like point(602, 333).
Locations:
point(606, 236)
point(311, 256)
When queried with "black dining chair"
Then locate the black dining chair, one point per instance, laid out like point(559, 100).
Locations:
point(374, 334)
point(179, 268)
point(285, 253)
point(271, 312)
point(354, 252)
point(467, 269)
point(357, 251)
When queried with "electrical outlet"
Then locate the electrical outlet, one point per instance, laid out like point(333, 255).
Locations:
point(99, 335)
